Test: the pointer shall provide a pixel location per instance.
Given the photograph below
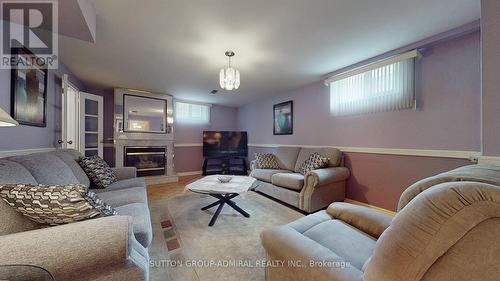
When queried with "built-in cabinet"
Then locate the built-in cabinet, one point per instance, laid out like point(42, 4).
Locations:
point(91, 124)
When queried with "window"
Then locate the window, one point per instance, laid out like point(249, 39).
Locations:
point(383, 86)
point(192, 112)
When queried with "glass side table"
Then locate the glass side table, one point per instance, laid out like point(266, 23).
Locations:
point(24, 272)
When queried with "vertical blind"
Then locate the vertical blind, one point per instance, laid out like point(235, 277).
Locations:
point(192, 112)
point(385, 86)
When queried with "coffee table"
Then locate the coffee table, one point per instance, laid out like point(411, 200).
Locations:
point(224, 192)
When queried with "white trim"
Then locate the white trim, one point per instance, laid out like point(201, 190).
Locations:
point(471, 155)
point(489, 160)
point(397, 58)
point(188, 144)
point(192, 173)
point(385, 211)
point(9, 153)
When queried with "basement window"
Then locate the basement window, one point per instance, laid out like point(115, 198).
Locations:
point(386, 85)
point(195, 113)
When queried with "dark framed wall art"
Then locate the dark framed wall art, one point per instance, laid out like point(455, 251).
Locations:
point(283, 118)
point(28, 91)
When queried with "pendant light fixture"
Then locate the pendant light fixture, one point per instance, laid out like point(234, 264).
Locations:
point(229, 77)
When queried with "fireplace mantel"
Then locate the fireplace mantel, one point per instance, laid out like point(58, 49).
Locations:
point(124, 139)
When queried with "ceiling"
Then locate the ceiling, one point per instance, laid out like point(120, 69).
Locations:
point(178, 46)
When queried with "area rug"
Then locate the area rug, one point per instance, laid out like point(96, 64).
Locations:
point(184, 247)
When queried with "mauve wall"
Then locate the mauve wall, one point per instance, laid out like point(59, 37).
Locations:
point(448, 118)
point(448, 114)
point(190, 159)
point(490, 25)
point(27, 137)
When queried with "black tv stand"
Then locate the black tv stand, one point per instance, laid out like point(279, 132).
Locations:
point(226, 165)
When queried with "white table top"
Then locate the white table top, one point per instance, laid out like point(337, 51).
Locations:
point(210, 184)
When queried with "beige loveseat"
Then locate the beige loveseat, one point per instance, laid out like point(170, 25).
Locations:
point(310, 192)
point(447, 228)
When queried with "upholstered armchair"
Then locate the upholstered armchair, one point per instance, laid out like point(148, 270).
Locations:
point(446, 228)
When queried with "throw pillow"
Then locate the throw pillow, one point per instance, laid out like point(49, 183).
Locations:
point(54, 204)
point(266, 161)
point(98, 171)
point(315, 161)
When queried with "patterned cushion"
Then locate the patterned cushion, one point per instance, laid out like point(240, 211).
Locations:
point(98, 171)
point(54, 204)
point(266, 161)
point(315, 161)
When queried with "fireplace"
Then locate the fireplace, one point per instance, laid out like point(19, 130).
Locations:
point(149, 160)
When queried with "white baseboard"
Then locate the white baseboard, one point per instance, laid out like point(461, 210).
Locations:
point(9, 153)
point(385, 211)
point(192, 173)
point(188, 144)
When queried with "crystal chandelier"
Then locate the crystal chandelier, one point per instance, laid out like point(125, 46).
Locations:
point(229, 77)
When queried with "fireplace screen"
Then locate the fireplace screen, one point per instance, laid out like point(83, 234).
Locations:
point(149, 161)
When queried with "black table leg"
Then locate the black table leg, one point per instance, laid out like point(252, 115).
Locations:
point(211, 205)
point(224, 199)
point(216, 215)
point(240, 210)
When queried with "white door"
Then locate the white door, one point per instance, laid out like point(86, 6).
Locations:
point(91, 124)
point(70, 115)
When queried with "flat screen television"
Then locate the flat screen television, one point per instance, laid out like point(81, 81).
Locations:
point(225, 143)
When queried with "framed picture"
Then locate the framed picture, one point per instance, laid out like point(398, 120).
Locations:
point(283, 118)
point(28, 91)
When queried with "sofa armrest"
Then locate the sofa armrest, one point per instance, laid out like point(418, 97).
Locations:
point(327, 175)
point(125, 173)
point(68, 250)
point(363, 218)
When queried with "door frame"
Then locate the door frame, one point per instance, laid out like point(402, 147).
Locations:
point(64, 106)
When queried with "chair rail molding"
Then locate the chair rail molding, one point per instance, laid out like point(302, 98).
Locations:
point(489, 160)
point(471, 155)
point(9, 153)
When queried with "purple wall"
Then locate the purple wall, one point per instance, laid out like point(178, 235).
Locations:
point(221, 118)
point(189, 159)
point(27, 137)
point(448, 118)
point(448, 115)
point(490, 24)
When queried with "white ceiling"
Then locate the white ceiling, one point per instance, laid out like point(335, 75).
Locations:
point(177, 46)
